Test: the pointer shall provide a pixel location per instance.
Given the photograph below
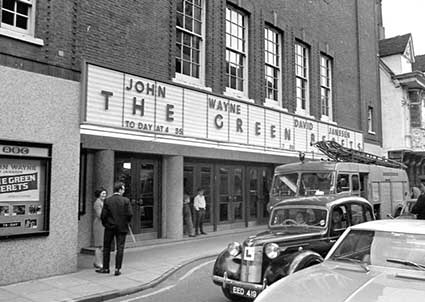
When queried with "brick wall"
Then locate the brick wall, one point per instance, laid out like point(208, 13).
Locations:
point(138, 37)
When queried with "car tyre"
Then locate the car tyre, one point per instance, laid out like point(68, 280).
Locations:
point(304, 260)
point(233, 297)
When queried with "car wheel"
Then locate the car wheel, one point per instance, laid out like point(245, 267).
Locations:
point(233, 297)
point(303, 260)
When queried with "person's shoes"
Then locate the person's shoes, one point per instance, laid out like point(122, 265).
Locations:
point(203, 233)
point(117, 272)
point(97, 265)
point(102, 271)
point(192, 235)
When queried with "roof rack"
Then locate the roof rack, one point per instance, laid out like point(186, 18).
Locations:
point(339, 153)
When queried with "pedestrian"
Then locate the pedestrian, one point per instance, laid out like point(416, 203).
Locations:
point(415, 193)
point(419, 207)
point(116, 215)
point(199, 205)
point(187, 215)
point(98, 229)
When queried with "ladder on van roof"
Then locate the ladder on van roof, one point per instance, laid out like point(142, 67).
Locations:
point(339, 153)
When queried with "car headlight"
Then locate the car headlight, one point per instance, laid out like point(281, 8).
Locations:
point(272, 250)
point(234, 249)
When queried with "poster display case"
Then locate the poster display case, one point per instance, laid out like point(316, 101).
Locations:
point(24, 189)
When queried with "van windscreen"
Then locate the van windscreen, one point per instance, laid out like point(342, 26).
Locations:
point(315, 183)
point(284, 185)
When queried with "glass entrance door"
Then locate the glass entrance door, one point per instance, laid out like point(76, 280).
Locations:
point(230, 194)
point(259, 180)
point(147, 195)
point(140, 176)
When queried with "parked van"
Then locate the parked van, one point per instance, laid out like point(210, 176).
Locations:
point(387, 188)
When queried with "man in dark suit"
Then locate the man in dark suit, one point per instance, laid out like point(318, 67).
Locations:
point(419, 207)
point(116, 215)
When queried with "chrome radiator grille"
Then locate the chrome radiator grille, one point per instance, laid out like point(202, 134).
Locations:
point(252, 259)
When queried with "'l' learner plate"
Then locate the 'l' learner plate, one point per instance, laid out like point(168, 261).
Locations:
point(249, 253)
point(244, 292)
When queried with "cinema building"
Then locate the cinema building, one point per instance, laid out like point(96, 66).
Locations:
point(169, 96)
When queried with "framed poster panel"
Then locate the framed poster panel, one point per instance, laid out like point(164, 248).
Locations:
point(24, 189)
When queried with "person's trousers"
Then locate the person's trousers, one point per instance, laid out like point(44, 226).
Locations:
point(109, 236)
point(199, 220)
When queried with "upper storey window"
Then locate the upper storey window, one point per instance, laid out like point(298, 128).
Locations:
point(370, 120)
point(272, 64)
point(18, 20)
point(189, 39)
point(16, 15)
point(236, 52)
point(326, 87)
point(302, 78)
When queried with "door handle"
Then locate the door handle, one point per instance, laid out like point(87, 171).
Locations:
point(332, 240)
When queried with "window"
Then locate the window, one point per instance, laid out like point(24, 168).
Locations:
point(357, 214)
point(272, 64)
point(301, 73)
point(342, 183)
point(17, 20)
point(284, 185)
point(338, 220)
point(235, 50)
point(326, 86)
point(355, 182)
point(16, 15)
point(189, 38)
point(370, 118)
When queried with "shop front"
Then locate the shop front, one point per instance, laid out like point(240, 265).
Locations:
point(163, 140)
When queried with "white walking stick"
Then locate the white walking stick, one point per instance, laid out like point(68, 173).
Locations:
point(130, 231)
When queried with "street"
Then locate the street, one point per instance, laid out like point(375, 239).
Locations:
point(190, 284)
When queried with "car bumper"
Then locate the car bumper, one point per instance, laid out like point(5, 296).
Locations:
point(225, 281)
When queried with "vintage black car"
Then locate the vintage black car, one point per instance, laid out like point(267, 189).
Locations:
point(300, 233)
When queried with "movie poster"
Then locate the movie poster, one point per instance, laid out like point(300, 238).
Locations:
point(19, 180)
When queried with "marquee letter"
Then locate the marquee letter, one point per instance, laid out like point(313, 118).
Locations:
point(107, 94)
point(257, 128)
point(218, 121)
point(239, 125)
point(273, 131)
point(170, 113)
point(140, 107)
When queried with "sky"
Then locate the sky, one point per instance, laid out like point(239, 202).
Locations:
point(405, 16)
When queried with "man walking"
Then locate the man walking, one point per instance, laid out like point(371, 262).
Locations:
point(419, 207)
point(199, 205)
point(116, 215)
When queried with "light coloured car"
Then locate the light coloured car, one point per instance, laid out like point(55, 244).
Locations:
point(382, 260)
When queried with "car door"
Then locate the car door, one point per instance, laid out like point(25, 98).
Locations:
point(323, 244)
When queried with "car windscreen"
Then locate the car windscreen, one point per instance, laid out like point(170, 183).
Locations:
point(389, 249)
point(298, 216)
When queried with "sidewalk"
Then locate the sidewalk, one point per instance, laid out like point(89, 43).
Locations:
point(143, 267)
